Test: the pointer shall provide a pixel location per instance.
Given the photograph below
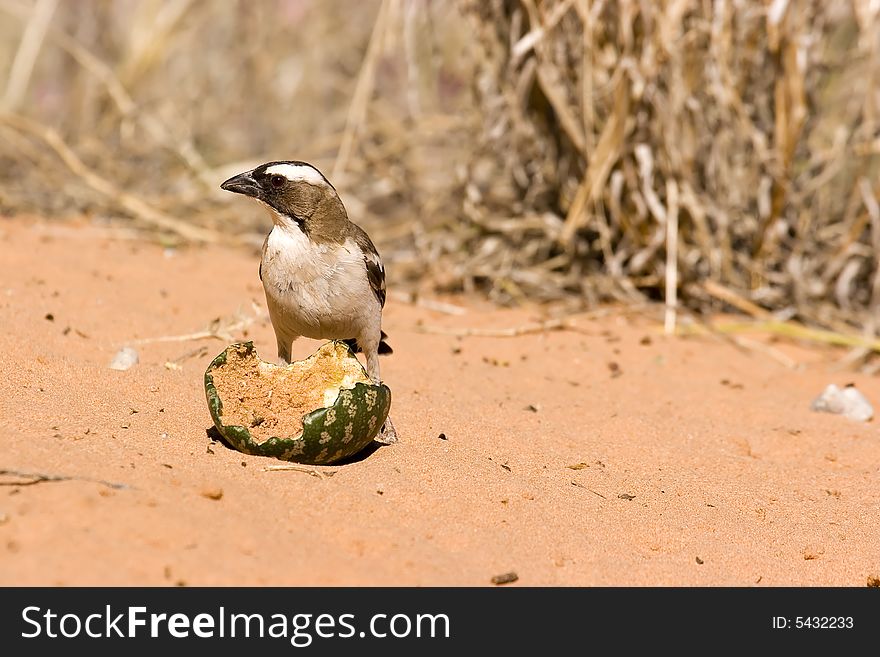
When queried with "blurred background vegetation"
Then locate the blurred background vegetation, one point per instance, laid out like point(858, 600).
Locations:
point(724, 153)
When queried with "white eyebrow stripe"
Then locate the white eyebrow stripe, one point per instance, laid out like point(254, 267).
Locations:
point(297, 173)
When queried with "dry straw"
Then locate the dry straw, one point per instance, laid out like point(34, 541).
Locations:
point(752, 126)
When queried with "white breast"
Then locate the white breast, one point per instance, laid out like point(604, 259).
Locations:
point(289, 253)
point(315, 290)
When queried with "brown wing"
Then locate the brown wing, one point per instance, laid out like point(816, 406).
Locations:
point(375, 268)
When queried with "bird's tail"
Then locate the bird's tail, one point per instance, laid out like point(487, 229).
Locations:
point(384, 347)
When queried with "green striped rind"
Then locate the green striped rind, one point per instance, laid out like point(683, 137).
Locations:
point(329, 434)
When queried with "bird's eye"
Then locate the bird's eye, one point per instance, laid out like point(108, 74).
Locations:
point(277, 181)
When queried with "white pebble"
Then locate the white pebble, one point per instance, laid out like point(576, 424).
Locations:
point(124, 359)
point(847, 401)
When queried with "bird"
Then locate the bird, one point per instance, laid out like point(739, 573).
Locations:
point(321, 273)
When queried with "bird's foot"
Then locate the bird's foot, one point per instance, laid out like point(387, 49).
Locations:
point(388, 434)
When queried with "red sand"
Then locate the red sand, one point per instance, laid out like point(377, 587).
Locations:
point(733, 480)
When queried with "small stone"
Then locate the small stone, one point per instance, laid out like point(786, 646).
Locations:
point(873, 582)
point(442, 436)
point(847, 401)
point(506, 578)
point(124, 359)
point(811, 554)
point(700, 561)
point(213, 493)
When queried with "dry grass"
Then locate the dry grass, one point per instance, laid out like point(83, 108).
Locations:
point(751, 125)
point(556, 149)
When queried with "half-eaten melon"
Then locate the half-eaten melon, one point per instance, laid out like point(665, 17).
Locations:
point(319, 410)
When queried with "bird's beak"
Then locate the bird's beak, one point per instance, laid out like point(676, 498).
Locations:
point(243, 183)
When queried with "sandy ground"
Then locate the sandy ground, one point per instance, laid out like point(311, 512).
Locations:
point(611, 456)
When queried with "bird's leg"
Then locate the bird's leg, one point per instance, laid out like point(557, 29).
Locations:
point(284, 347)
point(388, 434)
point(373, 364)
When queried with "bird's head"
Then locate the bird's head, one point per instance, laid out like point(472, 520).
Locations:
point(299, 196)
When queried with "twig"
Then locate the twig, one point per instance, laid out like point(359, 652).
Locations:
point(200, 351)
point(215, 330)
point(574, 483)
point(410, 49)
point(789, 330)
point(360, 99)
point(548, 80)
point(853, 358)
point(39, 477)
point(528, 41)
point(186, 337)
point(558, 324)
point(587, 109)
point(732, 298)
point(320, 474)
point(429, 304)
point(148, 38)
point(671, 256)
point(601, 161)
point(26, 56)
point(766, 349)
point(511, 332)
